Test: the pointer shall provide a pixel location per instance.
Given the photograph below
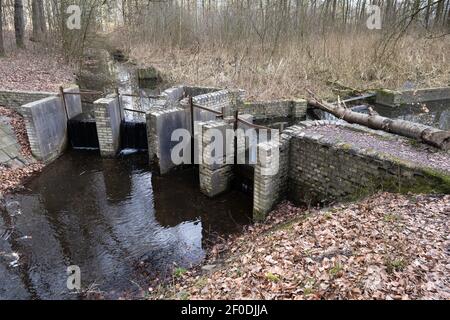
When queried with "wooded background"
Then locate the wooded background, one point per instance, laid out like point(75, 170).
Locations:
point(266, 43)
point(268, 23)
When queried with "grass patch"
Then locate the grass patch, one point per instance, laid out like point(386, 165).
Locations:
point(395, 265)
point(391, 218)
point(179, 272)
point(272, 277)
point(336, 270)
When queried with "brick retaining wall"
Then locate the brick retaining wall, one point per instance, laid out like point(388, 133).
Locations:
point(319, 169)
point(15, 99)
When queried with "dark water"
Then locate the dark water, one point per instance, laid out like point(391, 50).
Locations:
point(435, 114)
point(120, 224)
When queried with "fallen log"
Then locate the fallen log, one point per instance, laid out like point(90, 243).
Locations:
point(429, 135)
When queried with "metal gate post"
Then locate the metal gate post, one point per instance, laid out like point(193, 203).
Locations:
point(191, 106)
point(61, 92)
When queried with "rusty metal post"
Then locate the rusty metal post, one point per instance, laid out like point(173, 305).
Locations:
point(235, 127)
point(191, 106)
point(61, 92)
point(120, 105)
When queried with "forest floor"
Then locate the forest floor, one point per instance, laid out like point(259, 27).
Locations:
point(388, 246)
point(34, 70)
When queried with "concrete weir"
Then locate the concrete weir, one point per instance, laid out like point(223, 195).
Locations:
point(394, 98)
point(316, 161)
point(46, 118)
point(313, 167)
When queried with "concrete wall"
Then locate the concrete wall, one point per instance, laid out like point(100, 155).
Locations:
point(108, 118)
point(160, 126)
point(15, 99)
point(161, 122)
point(46, 123)
point(396, 98)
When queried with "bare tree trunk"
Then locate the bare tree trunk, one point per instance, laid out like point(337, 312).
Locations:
point(429, 135)
point(19, 24)
point(2, 46)
point(41, 12)
point(36, 20)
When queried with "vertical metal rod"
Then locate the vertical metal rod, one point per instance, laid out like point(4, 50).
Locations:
point(61, 92)
point(120, 105)
point(235, 127)
point(191, 105)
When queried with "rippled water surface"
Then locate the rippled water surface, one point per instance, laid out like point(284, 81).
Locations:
point(122, 225)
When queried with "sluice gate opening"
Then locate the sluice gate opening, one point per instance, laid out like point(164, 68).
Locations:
point(133, 135)
point(83, 133)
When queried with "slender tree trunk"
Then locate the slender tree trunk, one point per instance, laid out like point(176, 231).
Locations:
point(41, 12)
point(2, 46)
point(19, 24)
point(36, 20)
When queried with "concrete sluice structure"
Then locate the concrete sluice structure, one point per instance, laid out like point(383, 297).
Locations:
point(302, 166)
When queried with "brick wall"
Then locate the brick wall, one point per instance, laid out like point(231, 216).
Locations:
point(218, 101)
point(275, 109)
point(108, 119)
point(215, 174)
point(315, 168)
point(269, 190)
point(322, 169)
point(15, 99)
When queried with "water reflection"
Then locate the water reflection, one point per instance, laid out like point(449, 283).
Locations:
point(435, 114)
point(106, 216)
point(128, 83)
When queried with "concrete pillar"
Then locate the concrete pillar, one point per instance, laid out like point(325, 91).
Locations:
point(108, 120)
point(160, 126)
point(215, 174)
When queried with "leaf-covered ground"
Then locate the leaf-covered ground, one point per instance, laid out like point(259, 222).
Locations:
point(388, 246)
point(34, 71)
point(12, 178)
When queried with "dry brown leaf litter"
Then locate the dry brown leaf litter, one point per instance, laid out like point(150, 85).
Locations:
point(388, 246)
point(12, 178)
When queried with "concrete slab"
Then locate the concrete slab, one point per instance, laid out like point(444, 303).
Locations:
point(12, 150)
point(7, 140)
point(4, 158)
point(393, 98)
